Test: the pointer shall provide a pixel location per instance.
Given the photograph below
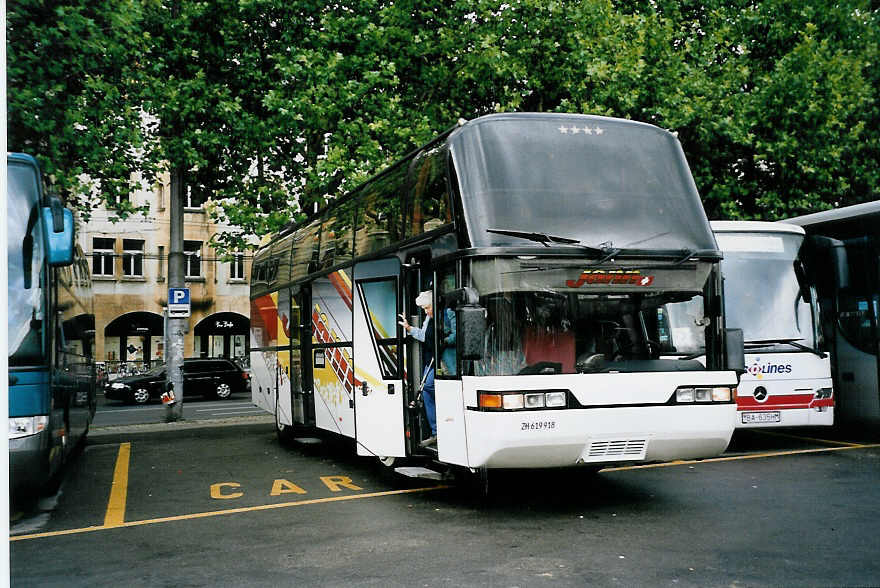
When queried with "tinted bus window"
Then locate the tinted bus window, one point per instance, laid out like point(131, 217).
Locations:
point(337, 235)
point(379, 222)
point(25, 257)
point(430, 197)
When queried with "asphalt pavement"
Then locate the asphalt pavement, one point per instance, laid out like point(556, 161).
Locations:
point(224, 504)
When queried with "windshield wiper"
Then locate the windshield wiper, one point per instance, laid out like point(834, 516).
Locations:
point(545, 240)
point(542, 238)
point(793, 342)
point(689, 254)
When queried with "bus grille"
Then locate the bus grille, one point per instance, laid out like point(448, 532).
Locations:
point(602, 450)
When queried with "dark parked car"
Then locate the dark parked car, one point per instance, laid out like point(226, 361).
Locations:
point(214, 377)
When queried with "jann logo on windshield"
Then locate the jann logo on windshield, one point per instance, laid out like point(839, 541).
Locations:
point(615, 278)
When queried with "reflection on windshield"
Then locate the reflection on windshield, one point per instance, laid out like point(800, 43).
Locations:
point(762, 293)
point(591, 179)
point(25, 316)
point(536, 326)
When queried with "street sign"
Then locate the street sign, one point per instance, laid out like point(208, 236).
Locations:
point(178, 303)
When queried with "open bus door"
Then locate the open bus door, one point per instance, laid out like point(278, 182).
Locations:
point(379, 395)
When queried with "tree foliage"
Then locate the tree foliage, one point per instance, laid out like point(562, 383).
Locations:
point(274, 107)
point(72, 95)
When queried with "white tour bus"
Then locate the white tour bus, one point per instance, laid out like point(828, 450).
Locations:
point(768, 293)
point(574, 276)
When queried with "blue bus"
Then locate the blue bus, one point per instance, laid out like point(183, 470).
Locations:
point(51, 331)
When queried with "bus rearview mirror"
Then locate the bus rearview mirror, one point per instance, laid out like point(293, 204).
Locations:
point(58, 227)
point(734, 345)
point(834, 251)
point(461, 297)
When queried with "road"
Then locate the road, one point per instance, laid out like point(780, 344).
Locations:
point(113, 412)
point(204, 504)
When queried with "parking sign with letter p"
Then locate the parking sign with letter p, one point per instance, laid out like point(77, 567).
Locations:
point(178, 303)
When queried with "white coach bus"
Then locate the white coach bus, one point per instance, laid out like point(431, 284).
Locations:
point(573, 276)
point(770, 294)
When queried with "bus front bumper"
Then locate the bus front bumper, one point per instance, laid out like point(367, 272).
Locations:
point(601, 436)
point(29, 463)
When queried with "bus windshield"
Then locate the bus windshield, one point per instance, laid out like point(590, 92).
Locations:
point(601, 182)
point(762, 291)
point(24, 251)
point(539, 322)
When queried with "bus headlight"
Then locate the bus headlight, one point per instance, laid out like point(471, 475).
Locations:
point(823, 393)
point(555, 399)
point(521, 400)
point(721, 394)
point(26, 426)
point(684, 395)
point(512, 401)
point(718, 394)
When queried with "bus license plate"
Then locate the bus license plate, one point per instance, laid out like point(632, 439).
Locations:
point(749, 418)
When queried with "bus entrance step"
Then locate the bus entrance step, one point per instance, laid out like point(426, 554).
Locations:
point(419, 472)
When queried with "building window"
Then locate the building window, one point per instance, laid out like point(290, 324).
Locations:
point(102, 256)
point(133, 258)
point(161, 263)
point(193, 252)
point(236, 267)
point(195, 198)
point(117, 199)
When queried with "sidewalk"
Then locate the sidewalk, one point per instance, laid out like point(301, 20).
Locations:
point(180, 425)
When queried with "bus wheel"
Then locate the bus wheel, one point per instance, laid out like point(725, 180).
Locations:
point(388, 462)
point(477, 482)
point(141, 396)
point(223, 391)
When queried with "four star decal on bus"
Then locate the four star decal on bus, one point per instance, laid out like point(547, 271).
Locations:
point(574, 130)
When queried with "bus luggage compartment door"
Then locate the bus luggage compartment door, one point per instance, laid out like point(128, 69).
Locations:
point(379, 406)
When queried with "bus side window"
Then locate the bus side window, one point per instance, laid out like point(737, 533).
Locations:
point(447, 336)
point(429, 204)
point(379, 218)
point(380, 305)
point(305, 252)
point(337, 235)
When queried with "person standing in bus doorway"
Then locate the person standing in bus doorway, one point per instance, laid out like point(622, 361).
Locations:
point(425, 335)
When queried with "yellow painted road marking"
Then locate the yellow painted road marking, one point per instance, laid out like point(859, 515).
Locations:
point(408, 491)
point(217, 491)
point(739, 457)
point(217, 513)
point(115, 515)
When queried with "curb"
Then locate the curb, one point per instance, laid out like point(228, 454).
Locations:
point(180, 425)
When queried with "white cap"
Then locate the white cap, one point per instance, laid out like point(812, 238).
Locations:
point(424, 299)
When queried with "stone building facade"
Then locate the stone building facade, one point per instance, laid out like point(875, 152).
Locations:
point(129, 266)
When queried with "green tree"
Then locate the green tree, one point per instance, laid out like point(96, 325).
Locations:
point(73, 77)
point(274, 107)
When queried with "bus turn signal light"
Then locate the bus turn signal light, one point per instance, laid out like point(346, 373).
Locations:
point(522, 400)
